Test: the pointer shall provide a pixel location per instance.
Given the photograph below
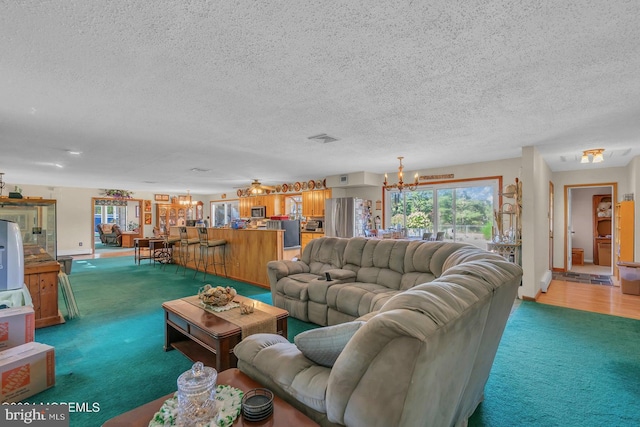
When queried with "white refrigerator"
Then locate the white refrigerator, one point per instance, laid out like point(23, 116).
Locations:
point(346, 217)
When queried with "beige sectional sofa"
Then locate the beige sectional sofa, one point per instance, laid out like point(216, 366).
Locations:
point(414, 328)
point(365, 273)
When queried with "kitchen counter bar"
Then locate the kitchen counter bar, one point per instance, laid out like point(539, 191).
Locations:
point(247, 253)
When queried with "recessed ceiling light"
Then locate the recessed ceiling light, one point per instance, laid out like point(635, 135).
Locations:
point(74, 153)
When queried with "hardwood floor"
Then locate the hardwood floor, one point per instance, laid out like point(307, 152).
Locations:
point(594, 298)
point(105, 254)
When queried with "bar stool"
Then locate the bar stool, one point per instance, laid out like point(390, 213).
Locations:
point(205, 245)
point(183, 251)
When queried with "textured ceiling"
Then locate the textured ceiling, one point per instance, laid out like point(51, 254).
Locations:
point(149, 90)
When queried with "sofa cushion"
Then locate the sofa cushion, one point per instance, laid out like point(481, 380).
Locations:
point(324, 254)
point(295, 285)
point(106, 228)
point(324, 345)
point(356, 299)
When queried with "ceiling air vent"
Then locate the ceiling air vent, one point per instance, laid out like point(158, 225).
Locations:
point(324, 138)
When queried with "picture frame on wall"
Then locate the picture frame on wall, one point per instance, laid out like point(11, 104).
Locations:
point(161, 197)
point(147, 205)
point(147, 219)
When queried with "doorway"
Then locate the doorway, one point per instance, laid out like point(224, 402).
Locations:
point(588, 245)
point(125, 213)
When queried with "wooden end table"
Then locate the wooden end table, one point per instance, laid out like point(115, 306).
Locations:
point(283, 413)
point(203, 336)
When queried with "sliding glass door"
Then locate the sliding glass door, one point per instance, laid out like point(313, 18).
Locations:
point(462, 212)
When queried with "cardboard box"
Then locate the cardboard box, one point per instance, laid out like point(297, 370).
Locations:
point(26, 370)
point(17, 326)
point(629, 277)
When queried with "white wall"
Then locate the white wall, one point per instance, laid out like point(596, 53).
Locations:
point(74, 213)
point(535, 229)
point(508, 169)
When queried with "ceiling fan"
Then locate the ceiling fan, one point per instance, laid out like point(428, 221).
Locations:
point(256, 188)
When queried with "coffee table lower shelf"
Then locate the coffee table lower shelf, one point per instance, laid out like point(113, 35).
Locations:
point(197, 351)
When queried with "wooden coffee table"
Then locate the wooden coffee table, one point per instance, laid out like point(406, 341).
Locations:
point(205, 337)
point(283, 413)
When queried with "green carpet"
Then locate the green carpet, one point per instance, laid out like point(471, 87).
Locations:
point(563, 367)
point(112, 355)
point(554, 367)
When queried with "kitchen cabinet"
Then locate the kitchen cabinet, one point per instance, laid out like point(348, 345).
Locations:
point(602, 217)
point(307, 236)
point(244, 207)
point(313, 202)
point(624, 240)
point(176, 214)
point(270, 201)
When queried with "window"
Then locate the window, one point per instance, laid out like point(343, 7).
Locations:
point(460, 212)
point(224, 213)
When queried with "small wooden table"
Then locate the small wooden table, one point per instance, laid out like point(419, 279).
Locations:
point(147, 248)
point(205, 337)
point(127, 238)
point(283, 413)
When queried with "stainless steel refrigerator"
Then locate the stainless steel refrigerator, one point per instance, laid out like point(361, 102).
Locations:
point(346, 217)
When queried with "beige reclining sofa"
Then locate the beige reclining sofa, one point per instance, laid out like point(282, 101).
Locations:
point(415, 327)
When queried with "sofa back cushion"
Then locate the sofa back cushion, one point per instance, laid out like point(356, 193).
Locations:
point(324, 254)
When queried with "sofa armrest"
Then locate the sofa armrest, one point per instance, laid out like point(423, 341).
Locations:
point(283, 268)
point(318, 287)
point(279, 365)
point(342, 275)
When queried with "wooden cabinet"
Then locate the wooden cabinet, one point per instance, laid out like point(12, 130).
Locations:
point(270, 201)
point(625, 229)
point(42, 280)
point(175, 214)
point(602, 217)
point(306, 237)
point(313, 202)
point(244, 206)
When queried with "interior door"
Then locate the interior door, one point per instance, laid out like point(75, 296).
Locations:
point(569, 231)
point(550, 216)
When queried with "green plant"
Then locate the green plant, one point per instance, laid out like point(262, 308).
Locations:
point(487, 230)
point(125, 194)
point(418, 220)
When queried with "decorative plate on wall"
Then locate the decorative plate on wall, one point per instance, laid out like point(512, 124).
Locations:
point(239, 192)
point(285, 188)
point(312, 185)
point(318, 184)
point(304, 185)
point(278, 188)
point(297, 186)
